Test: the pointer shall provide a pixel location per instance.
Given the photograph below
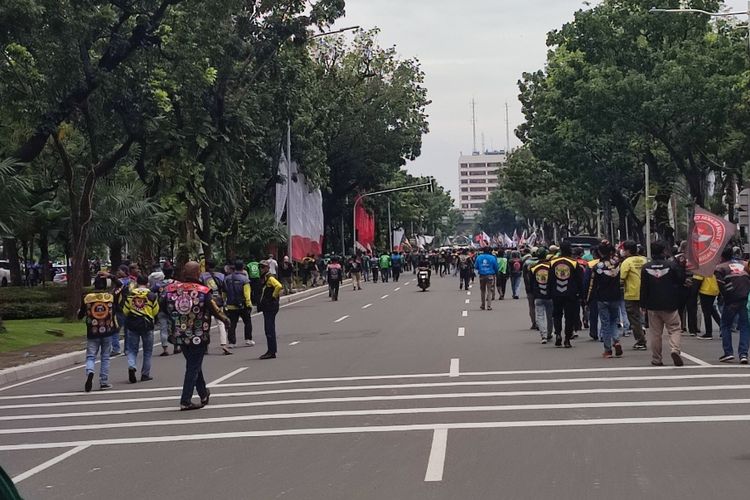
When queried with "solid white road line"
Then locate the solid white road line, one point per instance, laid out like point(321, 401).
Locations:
point(541, 382)
point(226, 377)
point(397, 289)
point(384, 297)
point(436, 462)
point(342, 318)
point(48, 464)
point(366, 306)
point(182, 437)
point(464, 313)
point(461, 331)
point(294, 343)
point(640, 369)
point(454, 368)
point(694, 359)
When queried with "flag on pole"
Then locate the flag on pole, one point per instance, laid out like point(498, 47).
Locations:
point(281, 188)
point(709, 234)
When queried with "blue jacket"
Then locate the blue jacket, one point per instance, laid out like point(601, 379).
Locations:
point(486, 265)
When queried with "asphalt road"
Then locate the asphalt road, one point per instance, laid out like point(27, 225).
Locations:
point(391, 393)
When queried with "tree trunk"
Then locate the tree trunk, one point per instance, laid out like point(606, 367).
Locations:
point(206, 233)
point(44, 254)
point(661, 214)
point(115, 254)
point(11, 249)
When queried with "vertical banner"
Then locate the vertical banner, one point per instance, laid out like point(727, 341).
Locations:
point(365, 223)
point(306, 222)
point(281, 188)
point(709, 234)
point(398, 237)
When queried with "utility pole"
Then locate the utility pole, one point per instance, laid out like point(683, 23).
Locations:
point(390, 228)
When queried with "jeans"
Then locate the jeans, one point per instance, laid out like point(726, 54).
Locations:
point(633, 309)
point(163, 320)
point(116, 336)
point(623, 314)
point(515, 285)
point(486, 284)
point(234, 318)
point(608, 314)
point(385, 274)
point(502, 284)
point(543, 313)
point(132, 341)
point(269, 325)
point(287, 284)
point(193, 372)
point(734, 310)
point(532, 309)
point(103, 346)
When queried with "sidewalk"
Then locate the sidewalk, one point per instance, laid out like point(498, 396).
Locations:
point(62, 361)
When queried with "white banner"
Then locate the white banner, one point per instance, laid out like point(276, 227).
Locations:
point(281, 188)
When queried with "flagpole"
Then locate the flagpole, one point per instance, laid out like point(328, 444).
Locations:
point(289, 187)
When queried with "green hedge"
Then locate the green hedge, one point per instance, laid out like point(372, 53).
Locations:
point(31, 310)
point(50, 293)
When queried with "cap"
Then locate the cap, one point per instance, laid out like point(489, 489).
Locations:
point(264, 263)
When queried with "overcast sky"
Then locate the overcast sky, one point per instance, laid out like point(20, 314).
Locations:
point(468, 49)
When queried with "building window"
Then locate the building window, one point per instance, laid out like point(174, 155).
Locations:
point(464, 197)
point(476, 205)
point(474, 173)
point(464, 181)
point(478, 197)
point(464, 205)
point(478, 181)
point(477, 189)
point(464, 173)
point(464, 190)
point(464, 165)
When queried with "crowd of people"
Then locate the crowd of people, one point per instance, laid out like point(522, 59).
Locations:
point(614, 291)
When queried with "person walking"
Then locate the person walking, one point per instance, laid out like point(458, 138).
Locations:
point(269, 306)
point(140, 309)
point(121, 289)
point(502, 274)
point(365, 259)
point(239, 303)
point(286, 275)
point(566, 285)
point(355, 268)
point(707, 294)
point(531, 260)
point(253, 275)
point(374, 267)
point(605, 290)
point(515, 270)
point(190, 307)
point(396, 263)
point(335, 274)
point(734, 284)
point(543, 307)
point(98, 307)
point(385, 267)
point(465, 266)
point(630, 279)
point(661, 284)
point(215, 281)
point(273, 266)
point(486, 266)
point(158, 289)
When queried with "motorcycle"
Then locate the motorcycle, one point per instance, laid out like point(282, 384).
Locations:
point(423, 279)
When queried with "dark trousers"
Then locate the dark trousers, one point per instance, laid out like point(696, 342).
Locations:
point(465, 278)
point(234, 317)
point(691, 309)
point(269, 325)
point(396, 273)
point(375, 272)
point(594, 320)
point(710, 314)
point(333, 290)
point(502, 284)
point(567, 307)
point(633, 310)
point(532, 310)
point(193, 372)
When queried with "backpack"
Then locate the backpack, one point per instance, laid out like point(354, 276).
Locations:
point(234, 287)
point(516, 266)
point(253, 270)
point(100, 315)
point(140, 310)
point(216, 285)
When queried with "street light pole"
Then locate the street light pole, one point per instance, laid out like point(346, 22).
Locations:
point(712, 14)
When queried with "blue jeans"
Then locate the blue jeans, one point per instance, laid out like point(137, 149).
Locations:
point(609, 311)
point(543, 312)
point(193, 372)
point(624, 317)
point(132, 341)
point(163, 320)
point(101, 345)
point(736, 310)
point(515, 285)
point(116, 335)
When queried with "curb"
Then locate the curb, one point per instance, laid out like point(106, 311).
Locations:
point(70, 359)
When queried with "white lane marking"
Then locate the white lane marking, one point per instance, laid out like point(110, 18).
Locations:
point(342, 318)
point(468, 293)
point(79, 366)
point(397, 289)
point(453, 372)
point(386, 377)
point(464, 313)
point(366, 306)
point(694, 359)
point(407, 283)
point(226, 377)
point(436, 462)
point(383, 428)
point(461, 331)
point(375, 412)
point(294, 343)
point(384, 297)
point(307, 390)
point(467, 301)
point(48, 463)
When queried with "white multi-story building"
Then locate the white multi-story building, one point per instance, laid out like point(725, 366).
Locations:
point(477, 179)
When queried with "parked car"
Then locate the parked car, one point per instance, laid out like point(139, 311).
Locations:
point(61, 274)
point(4, 273)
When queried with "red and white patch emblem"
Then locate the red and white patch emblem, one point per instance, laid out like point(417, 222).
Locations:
point(708, 236)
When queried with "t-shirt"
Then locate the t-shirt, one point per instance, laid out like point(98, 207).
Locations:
point(630, 276)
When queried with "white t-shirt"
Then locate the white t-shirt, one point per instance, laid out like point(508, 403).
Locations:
point(273, 267)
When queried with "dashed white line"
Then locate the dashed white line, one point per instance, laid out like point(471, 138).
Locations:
point(464, 313)
point(468, 293)
point(468, 301)
point(397, 289)
point(366, 306)
point(384, 297)
point(436, 462)
point(295, 342)
point(461, 331)
point(453, 372)
point(342, 318)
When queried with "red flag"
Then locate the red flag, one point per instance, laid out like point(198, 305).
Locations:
point(709, 234)
point(365, 223)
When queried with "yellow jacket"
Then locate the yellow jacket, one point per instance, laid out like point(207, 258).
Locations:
point(709, 285)
point(630, 276)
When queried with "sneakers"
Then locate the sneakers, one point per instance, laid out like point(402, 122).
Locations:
point(607, 354)
point(268, 355)
point(89, 382)
point(114, 354)
point(627, 333)
point(727, 358)
point(677, 359)
point(146, 378)
point(544, 340)
point(250, 343)
point(567, 344)
point(164, 353)
point(657, 363)
point(481, 307)
point(489, 308)
point(618, 349)
point(743, 360)
point(706, 336)
point(190, 406)
point(105, 386)
point(558, 341)
point(131, 376)
point(640, 346)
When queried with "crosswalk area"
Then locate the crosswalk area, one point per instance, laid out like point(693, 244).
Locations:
point(436, 404)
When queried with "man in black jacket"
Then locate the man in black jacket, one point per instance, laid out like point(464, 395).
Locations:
point(734, 284)
point(566, 289)
point(661, 291)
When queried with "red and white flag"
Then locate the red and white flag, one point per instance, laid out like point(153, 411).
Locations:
point(709, 234)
